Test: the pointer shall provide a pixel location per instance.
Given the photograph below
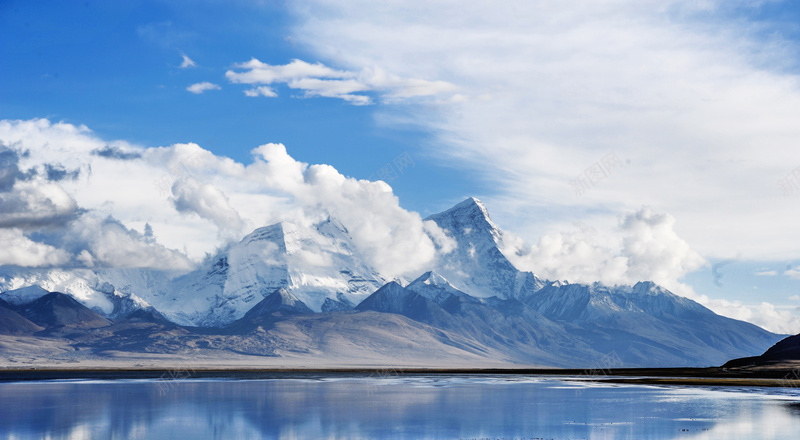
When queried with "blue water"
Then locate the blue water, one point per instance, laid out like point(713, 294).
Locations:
point(388, 406)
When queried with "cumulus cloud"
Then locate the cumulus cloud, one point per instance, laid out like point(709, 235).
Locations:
point(35, 204)
point(207, 201)
point(109, 243)
point(444, 243)
point(649, 249)
point(42, 221)
point(320, 80)
point(9, 169)
point(137, 205)
point(654, 250)
point(394, 240)
point(201, 87)
point(766, 315)
point(18, 250)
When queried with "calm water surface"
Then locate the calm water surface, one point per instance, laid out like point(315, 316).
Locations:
point(453, 407)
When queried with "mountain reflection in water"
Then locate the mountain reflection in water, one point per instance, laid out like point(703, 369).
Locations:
point(457, 407)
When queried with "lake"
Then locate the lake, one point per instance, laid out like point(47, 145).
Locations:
point(303, 406)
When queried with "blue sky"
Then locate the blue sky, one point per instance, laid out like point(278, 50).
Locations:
point(615, 141)
point(116, 69)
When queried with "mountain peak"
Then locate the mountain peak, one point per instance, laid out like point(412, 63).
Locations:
point(281, 300)
point(275, 233)
point(24, 295)
point(60, 309)
point(431, 278)
point(470, 218)
point(477, 266)
point(474, 203)
point(470, 207)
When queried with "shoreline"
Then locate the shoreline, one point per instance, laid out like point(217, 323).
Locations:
point(711, 376)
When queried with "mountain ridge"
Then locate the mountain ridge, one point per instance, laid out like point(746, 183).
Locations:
point(289, 276)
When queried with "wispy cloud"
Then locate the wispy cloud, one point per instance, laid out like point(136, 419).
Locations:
point(201, 87)
point(318, 80)
point(766, 273)
point(793, 273)
point(187, 62)
point(564, 83)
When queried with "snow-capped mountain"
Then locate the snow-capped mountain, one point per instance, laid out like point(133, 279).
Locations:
point(436, 288)
point(473, 295)
point(477, 266)
point(599, 303)
point(646, 321)
point(319, 265)
point(109, 292)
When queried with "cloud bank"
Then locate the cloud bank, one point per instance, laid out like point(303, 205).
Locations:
point(649, 249)
point(120, 205)
point(166, 207)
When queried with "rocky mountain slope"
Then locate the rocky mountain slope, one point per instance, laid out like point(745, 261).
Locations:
point(292, 290)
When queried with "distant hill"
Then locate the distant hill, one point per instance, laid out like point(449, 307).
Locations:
point(58, 310)
point(12, 323)
point(786, 350)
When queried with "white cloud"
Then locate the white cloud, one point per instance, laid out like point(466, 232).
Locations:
point(256, 72)
point(187, 62)
point(394, 240)
point(184, 197)
point(32, 205)
point(152, 190)
point(764, 315)
point(320, 80)
point(444, 243)
point(654, 250)
point(695, 100)
point(648, 249)
point(17, 249)
point(201, 87)
point(766, 273)
point(109, 243)
point(261, 91)
point(207, 201)
point(793, 273)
